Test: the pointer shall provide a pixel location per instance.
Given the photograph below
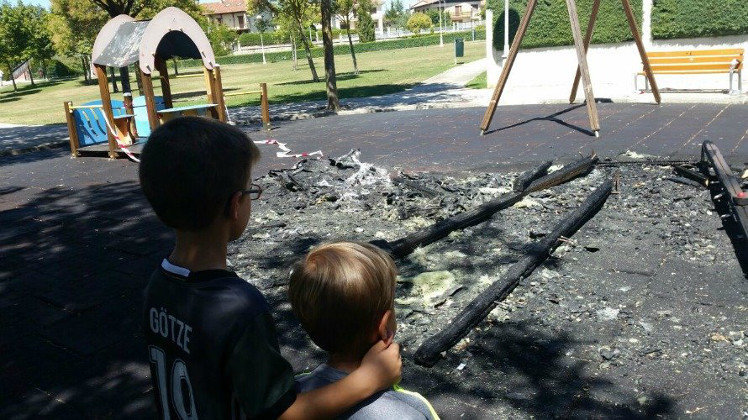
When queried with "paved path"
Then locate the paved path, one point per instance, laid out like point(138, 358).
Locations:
point(78, 239)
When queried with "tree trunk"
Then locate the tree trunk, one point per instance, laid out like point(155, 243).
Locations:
point(293, 45)
point(12, 79)
point(308, 53)
point(138, 80)
point(176, 67)
point(333, 103)
point(353, 52)
point(85, 69)
point(31, 75)
point(124, 78)
point(114, 80)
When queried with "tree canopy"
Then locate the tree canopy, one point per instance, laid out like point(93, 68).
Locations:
point(23, 35)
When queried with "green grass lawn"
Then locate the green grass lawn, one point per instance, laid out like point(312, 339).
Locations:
point(479, 82)
point(381, 72)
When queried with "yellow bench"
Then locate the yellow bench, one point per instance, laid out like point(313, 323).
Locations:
point(696, 62)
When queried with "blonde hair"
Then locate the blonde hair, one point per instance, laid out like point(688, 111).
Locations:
point(340, 291)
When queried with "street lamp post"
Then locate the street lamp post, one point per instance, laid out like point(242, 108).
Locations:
point(262, 42)
point(506, 29)
point(441, 29)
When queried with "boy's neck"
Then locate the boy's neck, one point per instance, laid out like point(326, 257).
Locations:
point(198, 251)
point(344, 363)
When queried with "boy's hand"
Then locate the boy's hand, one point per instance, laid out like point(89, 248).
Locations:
point(382, 364)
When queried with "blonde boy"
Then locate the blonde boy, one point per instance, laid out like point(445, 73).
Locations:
point(343, 294)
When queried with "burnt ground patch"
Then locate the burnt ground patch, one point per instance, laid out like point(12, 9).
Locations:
point(638, 315)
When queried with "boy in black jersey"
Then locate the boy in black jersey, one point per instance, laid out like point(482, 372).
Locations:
point(211, 339)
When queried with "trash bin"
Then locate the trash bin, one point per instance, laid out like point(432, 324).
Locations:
point(459, 48)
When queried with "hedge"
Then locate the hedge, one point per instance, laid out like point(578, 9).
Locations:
point(340, 49)
point(698, 18)
point(277, 37)
point(549, 25)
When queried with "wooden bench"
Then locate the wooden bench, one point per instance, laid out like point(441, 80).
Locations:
point(728, 61)
point(199, 110)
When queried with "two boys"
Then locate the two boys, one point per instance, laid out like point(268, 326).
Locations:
point(212, 342)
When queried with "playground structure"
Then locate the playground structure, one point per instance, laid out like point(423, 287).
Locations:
point(581, 45)
point(113, 125)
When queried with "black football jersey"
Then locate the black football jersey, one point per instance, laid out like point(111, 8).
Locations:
point(213, 348)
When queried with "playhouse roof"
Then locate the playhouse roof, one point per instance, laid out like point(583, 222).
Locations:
point(171, 33)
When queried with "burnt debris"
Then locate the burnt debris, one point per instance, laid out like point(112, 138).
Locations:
point(429, 352)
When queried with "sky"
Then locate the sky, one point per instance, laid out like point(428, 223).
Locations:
point(45, 3)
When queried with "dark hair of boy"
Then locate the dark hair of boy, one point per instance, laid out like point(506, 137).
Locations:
point(180, 174)
point(340, 292)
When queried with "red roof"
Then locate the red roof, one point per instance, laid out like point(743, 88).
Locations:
point(225, 6)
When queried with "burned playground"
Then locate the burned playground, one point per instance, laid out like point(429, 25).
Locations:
point(543, 272)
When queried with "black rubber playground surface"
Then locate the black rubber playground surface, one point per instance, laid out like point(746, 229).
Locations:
point(449, 139)
point(78, 239)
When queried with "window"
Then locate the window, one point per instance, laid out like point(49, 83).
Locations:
point(240, 21)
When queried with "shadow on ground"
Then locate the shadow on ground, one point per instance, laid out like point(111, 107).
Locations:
point(73, 269)
point(521, 366)
point(339, 76)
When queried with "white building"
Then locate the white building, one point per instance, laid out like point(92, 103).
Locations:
point(459, 10)
point(232, 13)
point(377, 16)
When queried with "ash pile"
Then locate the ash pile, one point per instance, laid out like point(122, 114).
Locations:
point(640, 313)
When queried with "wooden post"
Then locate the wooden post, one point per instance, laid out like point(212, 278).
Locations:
point(72, 131)
point(576, 32)
point(209, 85)
point(264, 106)
point(150, 104)
point(163, 71)
point(640, 46)
point(587, 39)
point(513, 50)
point(220, 101)
point(106, 106)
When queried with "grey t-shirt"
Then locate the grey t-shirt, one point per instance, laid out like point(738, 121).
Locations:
point(394, 403)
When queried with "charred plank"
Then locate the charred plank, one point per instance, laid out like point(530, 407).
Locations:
point(404, 246)
point(526, 178)
point(429, 352)
point(729, 199)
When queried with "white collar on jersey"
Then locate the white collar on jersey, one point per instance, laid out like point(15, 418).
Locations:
point(175, 269)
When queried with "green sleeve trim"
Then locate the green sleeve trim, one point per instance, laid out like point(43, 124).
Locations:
point(398, 388)
point(302, 374)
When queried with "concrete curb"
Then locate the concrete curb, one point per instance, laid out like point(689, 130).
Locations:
point(36, 148)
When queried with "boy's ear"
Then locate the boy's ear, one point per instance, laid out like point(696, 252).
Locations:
point(385, 331)
point(234, 205)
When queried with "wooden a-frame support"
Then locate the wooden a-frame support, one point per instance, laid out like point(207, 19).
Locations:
point(581, 46)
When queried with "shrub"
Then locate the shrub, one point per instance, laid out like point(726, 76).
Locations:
point(411, 42)
point(549, 25)
point(60, 67)
point(698, 18)
point(418, 21)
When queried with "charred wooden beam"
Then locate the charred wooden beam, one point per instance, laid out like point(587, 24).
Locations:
point(429, 352)
point(577, 168)
point(524, 180)
point(404, 246)
point(729, 199)
point(690, 174)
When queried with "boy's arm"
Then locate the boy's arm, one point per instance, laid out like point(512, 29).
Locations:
point(379, 369)
point(264, 385)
